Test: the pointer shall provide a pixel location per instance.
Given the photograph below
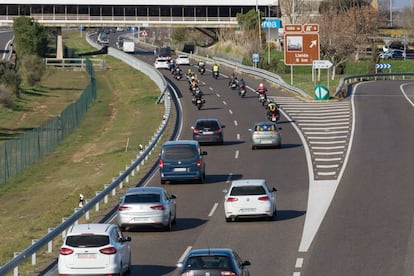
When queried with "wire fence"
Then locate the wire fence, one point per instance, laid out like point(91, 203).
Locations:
point(19, 153)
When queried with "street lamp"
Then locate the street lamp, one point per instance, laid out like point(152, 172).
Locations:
point(259, 25)
point(391, 13)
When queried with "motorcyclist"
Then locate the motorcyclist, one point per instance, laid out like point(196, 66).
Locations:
point(272, 109)
point(189, 74)
point(261, 90)
point(242, 83)
point(215, 68)
point(198, 95)
point(177, 70)
point(233, 79)
point(201, 64)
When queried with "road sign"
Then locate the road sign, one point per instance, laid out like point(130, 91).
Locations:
point(321, 64)
point(301, 44)
point(271, 24)
point(382, 66)
point(321, 92)
point(143, 33)
point(255, 57)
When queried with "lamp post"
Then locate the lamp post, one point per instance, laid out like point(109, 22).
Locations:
point(259, 25)
point(391, 13)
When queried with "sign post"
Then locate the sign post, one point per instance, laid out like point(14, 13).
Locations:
point(321, 64)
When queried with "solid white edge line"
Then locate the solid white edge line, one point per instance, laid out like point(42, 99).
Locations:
point(181, 259)
point(213, 209)
point(405, 95)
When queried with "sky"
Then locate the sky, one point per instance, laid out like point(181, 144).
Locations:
point(398, 4)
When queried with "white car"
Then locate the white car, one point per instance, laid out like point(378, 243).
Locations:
point(94, 249)
point(249, 198)
point(162, 63)
point(182, 60)
point(142, 206)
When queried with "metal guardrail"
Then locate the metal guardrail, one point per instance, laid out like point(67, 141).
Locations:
point(341, 90)
point(117, 182)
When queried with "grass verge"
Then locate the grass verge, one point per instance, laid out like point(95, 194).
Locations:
point(123, 116)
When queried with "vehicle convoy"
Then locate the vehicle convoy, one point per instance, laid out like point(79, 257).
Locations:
point(94, 249)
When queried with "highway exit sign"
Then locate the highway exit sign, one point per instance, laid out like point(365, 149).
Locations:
point(301, 44)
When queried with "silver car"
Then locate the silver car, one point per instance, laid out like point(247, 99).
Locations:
point(143, 206)
point(265, 134)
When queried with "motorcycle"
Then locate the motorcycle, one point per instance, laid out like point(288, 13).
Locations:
point(199, 102)
point(274, 116)
point(242, 90)
point(216, 74)
point(178, 76)
point(262, 98)
point(202, 70)
point(233, 84)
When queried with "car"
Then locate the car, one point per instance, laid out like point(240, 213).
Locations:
point(213, 261)
point(265, 134)
point(392, 54)
point(249, 198)
point(94, 249)
point(103, 38)
point(182, 160)
point(208, 130)
point(162, 63)
point(143, 206)
point(182, 59)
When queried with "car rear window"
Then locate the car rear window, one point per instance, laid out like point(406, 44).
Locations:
point(87, 240)
point(208, 262)
point(265, 127)
point(180, 152)
point(247, 190)
point(210, 125)
point(142, 198)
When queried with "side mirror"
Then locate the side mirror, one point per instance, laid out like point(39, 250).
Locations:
point(173, 196)
point(274, 189)
point(223, 126)
point(246, 263)
point(192, 127)
point(203, 153)
point(225, 191)
point(250, 130)
point(126, 239)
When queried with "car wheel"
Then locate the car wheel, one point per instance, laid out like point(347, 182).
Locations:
point(229, 220)
point(162, 182)
point(174, 221)
point(168, 227)
point(123, 229)
point(253, 147)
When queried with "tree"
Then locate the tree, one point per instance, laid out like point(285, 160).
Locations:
point(9, 84)
point(345, 31)
point(29, 37)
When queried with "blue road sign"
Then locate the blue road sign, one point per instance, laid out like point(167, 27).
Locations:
point(271, 24)
point(255, 57)
point(382, 66)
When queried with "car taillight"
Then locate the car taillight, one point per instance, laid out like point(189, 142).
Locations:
point(228, 273)
point(65, 251)
point(256, 133)
point(263, 198)
point(196, 131)
point(275, 132)
point(232, 199)
point(123, 208)
point(218, 131)
point(161, 164)
point(108, 250)
point(198, 163)
point(188, 273)
point(158, 207)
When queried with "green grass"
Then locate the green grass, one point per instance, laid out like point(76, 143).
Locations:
point(124, 113)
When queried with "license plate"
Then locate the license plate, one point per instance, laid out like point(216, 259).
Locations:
point(198, 101)
point(246, 210)
point(266, 141)
point(180, 169)
point(86, 256)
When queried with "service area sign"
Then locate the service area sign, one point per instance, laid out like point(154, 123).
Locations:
point(301, 44)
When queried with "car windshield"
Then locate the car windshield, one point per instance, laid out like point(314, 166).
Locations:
point(208, 262)
point(247, 190)
point(142, 198)
point(265, 127)
point(210, 125)
point(179, 152)
point(87, 240)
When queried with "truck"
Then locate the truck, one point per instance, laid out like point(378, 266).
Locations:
point(128, 46)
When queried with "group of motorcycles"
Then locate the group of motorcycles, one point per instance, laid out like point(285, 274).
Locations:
point(238, 84)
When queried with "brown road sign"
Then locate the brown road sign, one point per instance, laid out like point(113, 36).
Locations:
point(301, 45)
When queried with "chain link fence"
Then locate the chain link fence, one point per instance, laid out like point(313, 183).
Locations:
point(19, 153)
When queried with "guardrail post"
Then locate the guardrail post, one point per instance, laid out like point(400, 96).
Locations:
point(106, 196)
point(64, 232)
point(133, 171)
point(74, 211)
point(87, 212)
point(121, 184)
point(16, 269)
point(34, 254)
point(97, 203)
point(113, 191)
point(50, 243)
point(127, 177)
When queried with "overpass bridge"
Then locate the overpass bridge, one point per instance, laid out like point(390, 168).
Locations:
point(139, 13)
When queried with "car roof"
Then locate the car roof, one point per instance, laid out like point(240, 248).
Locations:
point(208, 119)
point(89, 228)
point(136, 190)
point(210, 251)
point(248, 182)
point(181, 142)
point(265, 123)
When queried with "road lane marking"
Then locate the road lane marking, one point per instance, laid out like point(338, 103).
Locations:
point(299, 262)
point(213, 209)
point(218, 95)
point(236, 155)
point(238, 136)
point(224, 102)
point(235, 123)
point(231, 112)
point(181, 259)
point(229, 178)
